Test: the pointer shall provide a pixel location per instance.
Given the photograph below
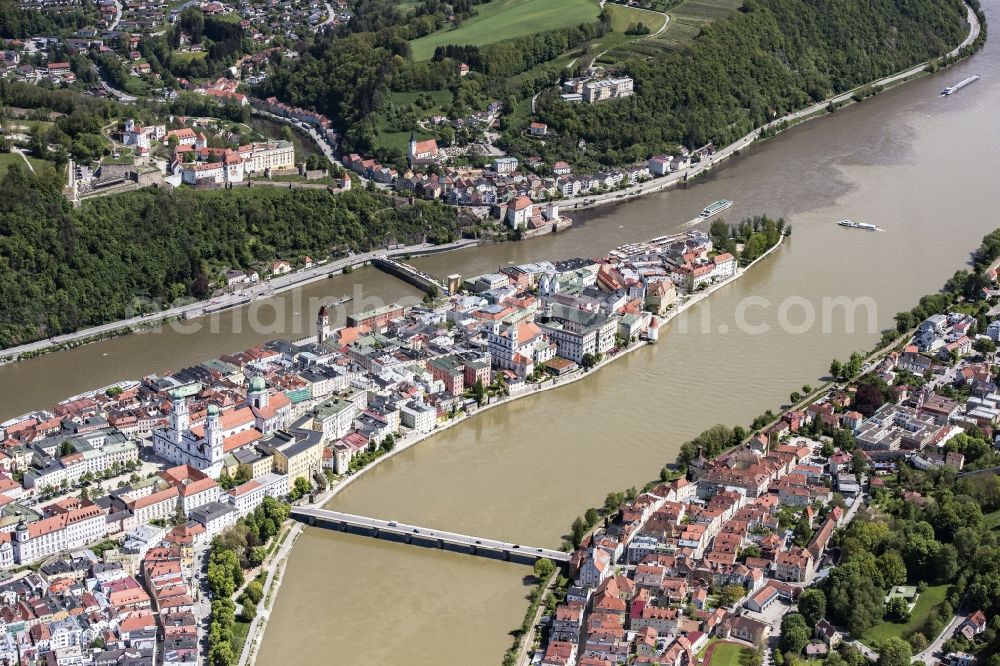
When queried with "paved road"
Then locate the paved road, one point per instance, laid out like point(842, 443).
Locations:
point(586, 201)
point(927, 656)
point(329, 16)
point(262, 290)
point(15, 149)
point(318, 139)
point(870, 654)
point(118, 15)
point(114, 92)
point(666, 20)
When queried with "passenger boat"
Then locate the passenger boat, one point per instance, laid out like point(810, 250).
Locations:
point(857, 225)
point(713, 209)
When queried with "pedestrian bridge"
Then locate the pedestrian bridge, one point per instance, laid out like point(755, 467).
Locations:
point(424, 536)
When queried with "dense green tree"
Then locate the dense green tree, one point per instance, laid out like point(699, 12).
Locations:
point(892, 568)
point(812, 606)
point(577, 530)
point(853, 599)
point(794, 633)
point(255, 591)
point(894, 652)
point(731, 594)
point(62, 269)
point(544, 568)
point(897, 610)
point(772, 57)
point(300, 488)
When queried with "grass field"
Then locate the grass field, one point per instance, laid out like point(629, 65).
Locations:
point(686, 21)
point(240, 631)
point(188, 56)
point(621, 18)
point(506, 19)
point(991, 520)
point(440, 98)
point(25, 126)
point(725, 653)
point(927, 600)
point(6, 159)
point(399, 140)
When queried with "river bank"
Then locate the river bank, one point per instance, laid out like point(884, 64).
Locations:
point(875, 364)
point(199, 309)
point(772, 129)
point(410, 441)
point(302, 278)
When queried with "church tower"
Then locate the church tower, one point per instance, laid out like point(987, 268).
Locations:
point(257, 395)
point(180, 418)
point(213, 433)
point(413, 146)
point(322, 324)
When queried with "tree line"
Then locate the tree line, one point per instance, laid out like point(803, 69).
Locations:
point(243, 546)
point(62, 269)
point(770, 58)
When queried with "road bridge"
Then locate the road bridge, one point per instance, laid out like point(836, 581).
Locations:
point(427, 537)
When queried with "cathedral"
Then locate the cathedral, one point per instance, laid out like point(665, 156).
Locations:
point(204, 446)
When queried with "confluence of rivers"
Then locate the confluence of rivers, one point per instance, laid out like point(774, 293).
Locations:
point(921, 166)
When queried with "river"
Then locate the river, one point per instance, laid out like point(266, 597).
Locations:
point(920, 165)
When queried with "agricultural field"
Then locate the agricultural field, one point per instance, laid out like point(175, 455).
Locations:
point(506, 19)
point(622, 17)
point(686, 21)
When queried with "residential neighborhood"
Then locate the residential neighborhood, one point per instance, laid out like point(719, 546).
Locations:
point(720, 555)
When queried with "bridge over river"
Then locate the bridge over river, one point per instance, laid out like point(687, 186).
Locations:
point(424, 536)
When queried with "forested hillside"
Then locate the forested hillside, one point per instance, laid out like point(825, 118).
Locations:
point(772, 57)
point(63, 269)
point(350, 78)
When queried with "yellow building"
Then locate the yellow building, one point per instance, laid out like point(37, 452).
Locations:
point(255, 462)
point(295, 455)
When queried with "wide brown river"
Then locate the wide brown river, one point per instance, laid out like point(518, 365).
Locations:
point(922, 166)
